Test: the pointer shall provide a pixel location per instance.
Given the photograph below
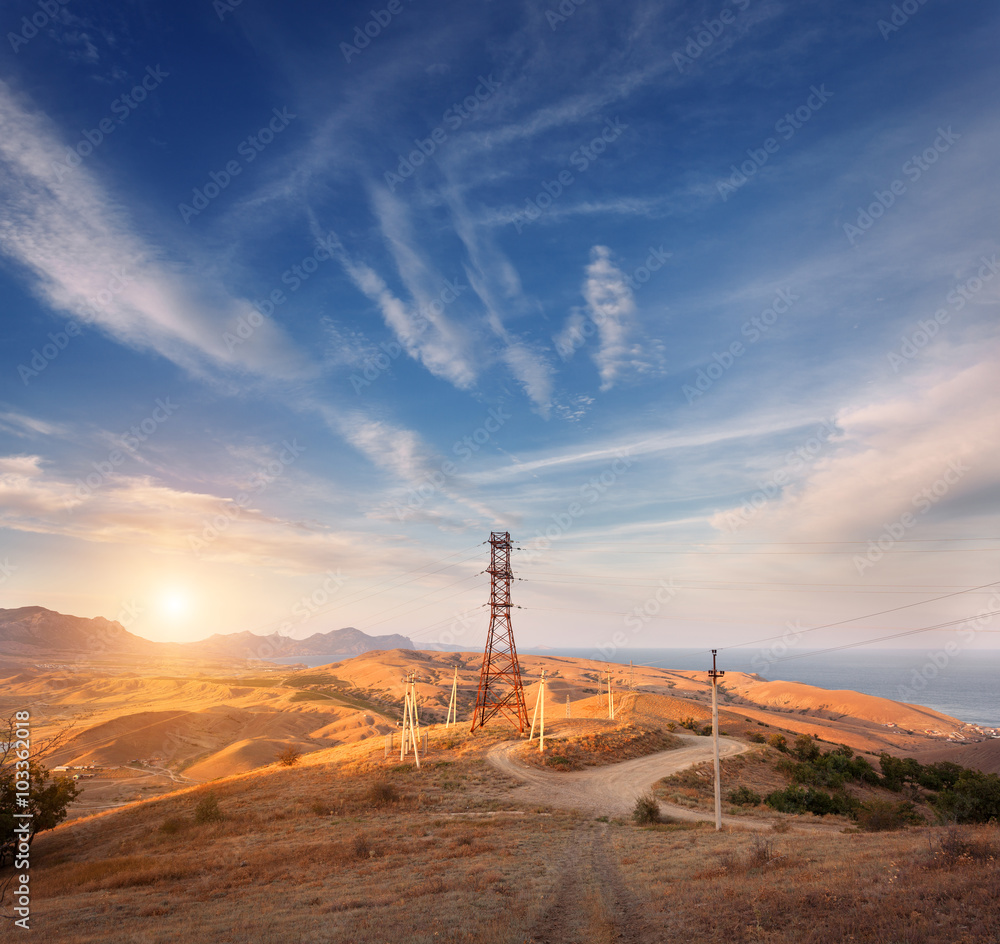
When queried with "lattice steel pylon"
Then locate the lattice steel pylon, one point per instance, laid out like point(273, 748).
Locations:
point(500, 689)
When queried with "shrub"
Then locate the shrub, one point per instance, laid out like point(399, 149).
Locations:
point(289, 757)
point(761, 852)
point(806, 749)
point(382, 793)
point(207, 811)
point(360, 847)
point(173, 825)
point(794, 799)
point(743, 796)
point(756, 737)
point(955, 847)
point(877, 816)
point(778, 741)
point(646, 810)
point(974, 798)
point(689, 723)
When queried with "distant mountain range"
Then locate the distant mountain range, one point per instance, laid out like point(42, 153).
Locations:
point(36, 631)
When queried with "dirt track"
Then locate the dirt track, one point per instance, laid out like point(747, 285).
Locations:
point(612, 790)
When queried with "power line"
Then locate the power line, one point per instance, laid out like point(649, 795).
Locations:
point(894, 609)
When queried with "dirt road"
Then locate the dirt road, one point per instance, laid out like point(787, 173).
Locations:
point(612, 790)
point(592, 902)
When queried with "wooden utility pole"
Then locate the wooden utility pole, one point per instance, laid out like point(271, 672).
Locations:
point(453, 704)
point(567, 706)
point(631, 676)
point(611, 697)
point(539, 715)
point(411, 725)
point(715, 675)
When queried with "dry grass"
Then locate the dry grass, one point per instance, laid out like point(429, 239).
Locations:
point(349, 845)
point(611, 745)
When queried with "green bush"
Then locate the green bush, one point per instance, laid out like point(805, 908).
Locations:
point(778, 741)
point(756, 737)
point(974, 798)
point(743, 796)
point(794, 799)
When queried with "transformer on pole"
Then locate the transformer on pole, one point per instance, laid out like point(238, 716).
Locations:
point(500, 689)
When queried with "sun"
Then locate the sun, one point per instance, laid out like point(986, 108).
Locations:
point(174, 604)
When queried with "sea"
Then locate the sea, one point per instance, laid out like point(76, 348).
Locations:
point(965, 684)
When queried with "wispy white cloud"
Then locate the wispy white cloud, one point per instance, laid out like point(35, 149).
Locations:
point(88, 261)
point(611, 309)
point(929, 451)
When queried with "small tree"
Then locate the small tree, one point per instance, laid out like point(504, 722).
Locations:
point(48, 796)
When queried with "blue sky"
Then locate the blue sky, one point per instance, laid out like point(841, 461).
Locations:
point(698, 301)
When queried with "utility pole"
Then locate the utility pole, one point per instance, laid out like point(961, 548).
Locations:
point(567, 706)
point(410, 723)
point(453, 704)
point(631, 676)
point(715, 675)
point(539, 715)
point(611, 697)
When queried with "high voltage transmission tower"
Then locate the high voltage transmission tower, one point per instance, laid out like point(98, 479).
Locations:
point(500, 688)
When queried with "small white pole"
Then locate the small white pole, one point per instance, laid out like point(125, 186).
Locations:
point(715, 676)
point(541, 696)
point(453, 704)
